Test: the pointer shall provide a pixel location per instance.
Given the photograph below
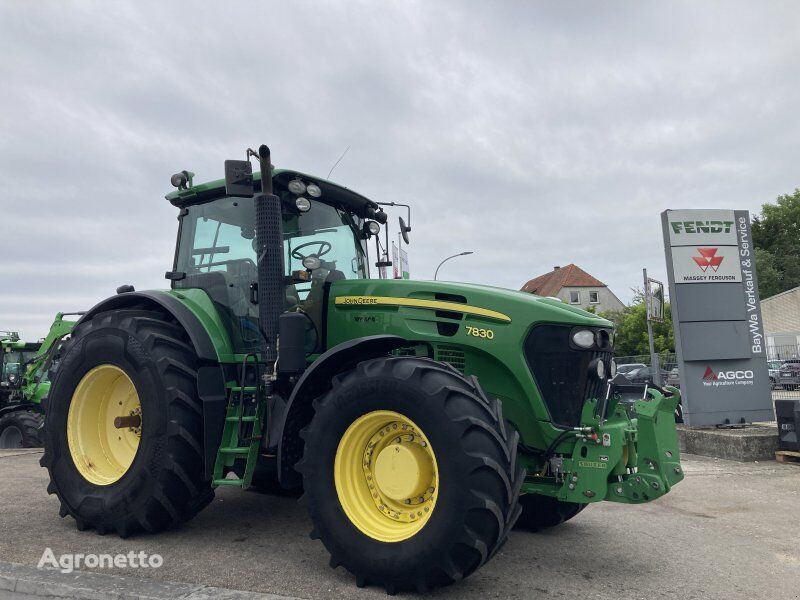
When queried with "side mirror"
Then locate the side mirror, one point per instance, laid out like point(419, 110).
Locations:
point(239, 178)
point(404, 229)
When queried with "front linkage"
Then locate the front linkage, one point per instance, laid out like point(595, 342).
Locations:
point(622, 459)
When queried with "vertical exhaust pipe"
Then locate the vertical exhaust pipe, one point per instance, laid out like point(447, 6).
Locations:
point(269, 240)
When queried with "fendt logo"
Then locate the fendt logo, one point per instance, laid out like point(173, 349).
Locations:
point(701, 226)
point(708, 258)
point(720, 378)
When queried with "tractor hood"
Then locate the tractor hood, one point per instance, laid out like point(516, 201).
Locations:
point(491, 304)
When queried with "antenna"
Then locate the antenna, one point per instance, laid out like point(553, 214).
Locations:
point(337, 162)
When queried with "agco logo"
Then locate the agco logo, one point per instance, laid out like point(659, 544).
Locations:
point(717, 378)
point(708, 258)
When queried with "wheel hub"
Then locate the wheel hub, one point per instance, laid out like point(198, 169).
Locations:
point(403, 470)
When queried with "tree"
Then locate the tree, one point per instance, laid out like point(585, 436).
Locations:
point(776, 236)
point(631, 329)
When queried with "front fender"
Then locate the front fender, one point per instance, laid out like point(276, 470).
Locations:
point(314, 382)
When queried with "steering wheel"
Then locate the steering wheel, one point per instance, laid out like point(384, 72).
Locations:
point(324, 248)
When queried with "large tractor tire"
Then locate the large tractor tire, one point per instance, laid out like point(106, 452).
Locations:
point(126, 476)
point(20, 429)
point(410, 474)
point(540, 512)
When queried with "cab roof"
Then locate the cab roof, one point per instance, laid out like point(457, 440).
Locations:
point(331, 192)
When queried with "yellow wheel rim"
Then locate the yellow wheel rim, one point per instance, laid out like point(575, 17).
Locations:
point(386, 476)
point(103, 453)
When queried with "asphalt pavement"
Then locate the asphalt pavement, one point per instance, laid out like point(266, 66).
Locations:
point(728, 531)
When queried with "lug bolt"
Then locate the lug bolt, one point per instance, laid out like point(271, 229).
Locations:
point(677, 469)
point(654, 485)
point(619, 490)
point(407, 501)
point(571, 486)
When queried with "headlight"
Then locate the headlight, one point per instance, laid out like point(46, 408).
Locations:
point(583, 338)
point(12, 377)
point(313, 190)
point(297, 187)
point(613, 369)
point(311, 263)
point(374, 227)
point(597, 369)
point(303, 204)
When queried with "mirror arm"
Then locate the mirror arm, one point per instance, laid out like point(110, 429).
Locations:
point(408, 211)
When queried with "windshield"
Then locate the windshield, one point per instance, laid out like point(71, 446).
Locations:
point(216, 252)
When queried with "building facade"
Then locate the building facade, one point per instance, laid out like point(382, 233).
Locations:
point(781, 314)
point(572, 285)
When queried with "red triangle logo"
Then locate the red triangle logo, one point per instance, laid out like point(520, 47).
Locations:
point(709, 375)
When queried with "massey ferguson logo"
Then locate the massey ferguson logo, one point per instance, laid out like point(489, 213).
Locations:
point(722, 378)
point(708, 258)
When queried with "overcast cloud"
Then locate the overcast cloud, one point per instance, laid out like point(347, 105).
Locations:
point(535, 134)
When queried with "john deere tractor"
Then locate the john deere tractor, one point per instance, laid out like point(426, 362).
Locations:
point(421, 419)
point(23, 384)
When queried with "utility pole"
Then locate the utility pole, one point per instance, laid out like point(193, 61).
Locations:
point(654, 362)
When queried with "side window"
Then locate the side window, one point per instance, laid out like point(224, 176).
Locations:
point(593, 298)
point(217, 246)
point(575, 297)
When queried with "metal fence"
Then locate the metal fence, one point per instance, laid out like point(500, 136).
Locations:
point(783, 362)
point(784, 371)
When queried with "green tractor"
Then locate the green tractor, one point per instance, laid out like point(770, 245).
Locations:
point(421, 419)
point(23, 384)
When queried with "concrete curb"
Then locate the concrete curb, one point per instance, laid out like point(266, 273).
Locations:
point(87, 585)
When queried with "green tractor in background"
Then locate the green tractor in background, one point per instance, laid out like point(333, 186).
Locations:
point(23, 383)
point(422, 419)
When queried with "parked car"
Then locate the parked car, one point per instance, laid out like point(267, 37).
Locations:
point(645, 375)
point(790, 375)
point(774, 372)
point(627, 368)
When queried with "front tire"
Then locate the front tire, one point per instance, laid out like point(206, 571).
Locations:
point(109, 477)
point(541, 512)
point(20, 429)
point(410, 474)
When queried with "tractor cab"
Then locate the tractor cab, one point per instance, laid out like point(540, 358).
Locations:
point(325, 229)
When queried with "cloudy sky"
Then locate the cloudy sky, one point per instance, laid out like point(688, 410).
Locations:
point(535, 134)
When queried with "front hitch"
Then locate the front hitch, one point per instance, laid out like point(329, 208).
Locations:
point(622, 459)
point(658, 464)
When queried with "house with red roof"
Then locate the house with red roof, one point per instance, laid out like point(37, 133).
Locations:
point(574, 286)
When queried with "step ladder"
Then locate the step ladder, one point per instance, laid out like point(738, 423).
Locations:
point(242, 431)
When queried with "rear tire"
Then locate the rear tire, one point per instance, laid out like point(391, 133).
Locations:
point(540, 512)
point(162, 483)
point(461, 441)
point(21, 429)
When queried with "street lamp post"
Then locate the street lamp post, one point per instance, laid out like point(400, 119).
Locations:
point(448, 258)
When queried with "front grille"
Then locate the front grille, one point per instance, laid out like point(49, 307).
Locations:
point(561, 372)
